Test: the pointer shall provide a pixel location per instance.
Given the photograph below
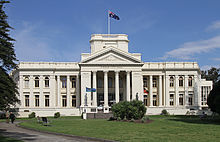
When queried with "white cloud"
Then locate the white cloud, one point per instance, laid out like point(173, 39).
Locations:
point(188, 49)
point(215, 25)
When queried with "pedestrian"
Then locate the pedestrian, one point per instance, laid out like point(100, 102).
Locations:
point(12, 117)
point(7, 116)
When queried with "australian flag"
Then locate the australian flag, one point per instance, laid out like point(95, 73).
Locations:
point(113, 15)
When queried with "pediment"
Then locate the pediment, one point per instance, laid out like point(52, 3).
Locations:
point(111, 56)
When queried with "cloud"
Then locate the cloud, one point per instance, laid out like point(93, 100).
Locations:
point(189, 49)
point(216, 59)
point(215, 25)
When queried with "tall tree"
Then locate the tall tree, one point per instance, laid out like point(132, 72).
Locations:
point(214, 98)
point(211, 74)
point(8, 87)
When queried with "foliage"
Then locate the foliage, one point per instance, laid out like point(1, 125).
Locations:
point(32, 115)
point(129, 110)
point(57, 115)
point(211, 74)
point(8, 88)
point(164, 112)
point(214, 98)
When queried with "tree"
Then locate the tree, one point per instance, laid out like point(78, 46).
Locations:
point(214, 98)
point(8, 87)
point(211, 74)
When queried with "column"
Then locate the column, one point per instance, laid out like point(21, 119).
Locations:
point(167, 91)
point(52, 85)
point(68, 91)
point(151, 90)
point(85, 82)
point(117, 86)
point(160, 90)
point(197, 92)
point(164, 90)
point(94, 103)
point(176, 91)
point(42, 95)
point(128, 86)
point(31, 86)
point(58, 102)
point(21, 95)
point(186, 90)
point(77, 91)
point(105, 88)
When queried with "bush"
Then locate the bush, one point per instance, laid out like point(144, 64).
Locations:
point(56, 115)
point(32, 115)
point(129, 110)
point(164, 112)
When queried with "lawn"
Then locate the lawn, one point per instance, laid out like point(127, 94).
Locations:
point(7, 139)
point(162, 129)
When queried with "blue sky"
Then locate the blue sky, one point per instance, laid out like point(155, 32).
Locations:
point(171, 30)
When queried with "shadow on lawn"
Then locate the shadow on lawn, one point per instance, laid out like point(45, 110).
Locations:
point(196, 119)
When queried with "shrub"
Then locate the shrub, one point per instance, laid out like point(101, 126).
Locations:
point(56, 115)
point(164, 112)
point(129, 110)
point(32, 115)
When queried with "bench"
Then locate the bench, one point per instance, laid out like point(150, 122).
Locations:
point(45, 121)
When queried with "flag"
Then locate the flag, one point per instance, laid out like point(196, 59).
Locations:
point(90, 89)
point(146, 90)
point(113, 15)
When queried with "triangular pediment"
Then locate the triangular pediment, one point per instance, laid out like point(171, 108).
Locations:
point(111, 55)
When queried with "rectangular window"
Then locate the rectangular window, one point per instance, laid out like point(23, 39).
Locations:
point(190, 99)
point(63, 81)
point(145, 100)
point(145, 82)
point(180, 81)
point(36, 100)
point(73, 82)
point(171, 99)
point(180, 99)
point(171, 81)
point(154, 82)
point(47, 101)
point(73, 100)
point(154, 100)
point(27, 100)
point(47, 81)
point(64, 101)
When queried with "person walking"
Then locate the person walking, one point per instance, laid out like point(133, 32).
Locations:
point(12, 117)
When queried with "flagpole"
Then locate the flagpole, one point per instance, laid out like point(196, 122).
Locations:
point(108, 23)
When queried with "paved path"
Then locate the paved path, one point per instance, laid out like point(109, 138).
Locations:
point(11, 130)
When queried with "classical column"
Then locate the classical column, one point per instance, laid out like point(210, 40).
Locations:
point(105, 88)
point(58, 102)
point(128, 86)
point(151, 90)
point(160, 90)
point(42, 96)
point(77, 91)
point(186, 90)
point(117, 86)
point(176, 91)
point(31, 86)
point(197, 92)
point(68, 91)
point(21, 95)
point(167, 91)
point(94, 103)
point(52, 85)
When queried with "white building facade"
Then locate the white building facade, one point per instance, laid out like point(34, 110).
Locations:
point(117, 75)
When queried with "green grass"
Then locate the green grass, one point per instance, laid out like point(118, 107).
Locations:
point(7, 139)
point(162, 129)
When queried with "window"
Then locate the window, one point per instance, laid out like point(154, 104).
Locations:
point(36, 100)
point(145, 100)
point(205, 90)
point(181, 81)
point(120, 82)
point(181, 99)
point(63, 81)
point(190, 99)
point(171, 81)
point(27, 100)
point(171, 99)
point(154, 82)
point(47, 101)
point(26, 82)
point(110, 82)
point(154, 100)
point(73, 100)
point(73, 82)
point(190, 81)
point(36, 82)
point(47, 81)
point(100, 83)
point(64, 101)
point(145, 82)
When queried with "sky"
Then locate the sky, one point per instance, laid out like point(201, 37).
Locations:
point(161, 30)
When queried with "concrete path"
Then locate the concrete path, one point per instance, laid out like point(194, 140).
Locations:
point(11, 130)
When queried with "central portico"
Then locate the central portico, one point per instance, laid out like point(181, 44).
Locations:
point(115, 73)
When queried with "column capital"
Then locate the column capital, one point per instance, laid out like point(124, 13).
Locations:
point(105, 71)
point(94, 71)
point(160, 76)
point(128, 71)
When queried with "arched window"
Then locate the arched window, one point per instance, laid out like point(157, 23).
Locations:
point(154, 82)
point(63, 81)
point(73, 82)
point(171, 81)
point(190, 81)
point(181, 81)
point(47, 82)
point(26, 82)
point(36, 81)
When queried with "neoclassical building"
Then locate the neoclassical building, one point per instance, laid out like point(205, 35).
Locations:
point(115, 75)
